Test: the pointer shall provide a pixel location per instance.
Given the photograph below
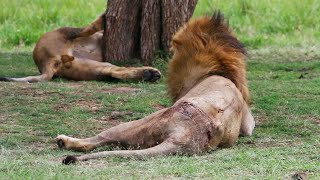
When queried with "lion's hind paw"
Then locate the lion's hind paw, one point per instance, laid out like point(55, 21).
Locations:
point(151, 75)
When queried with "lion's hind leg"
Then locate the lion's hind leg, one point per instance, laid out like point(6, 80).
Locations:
point(133, 73)
point(86, 69)
point(124, 134)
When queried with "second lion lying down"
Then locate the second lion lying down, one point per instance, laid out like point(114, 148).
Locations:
point(207, 83)
point(75, 53)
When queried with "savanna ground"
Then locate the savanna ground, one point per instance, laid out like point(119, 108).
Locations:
point(283, 39)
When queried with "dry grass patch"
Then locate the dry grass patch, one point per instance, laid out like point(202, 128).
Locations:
point(119, 90)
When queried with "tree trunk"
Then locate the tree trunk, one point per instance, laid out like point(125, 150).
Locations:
point(174, 14)
point(138, 28)
point(121, 29)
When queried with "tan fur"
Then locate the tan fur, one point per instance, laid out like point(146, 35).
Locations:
point(207, 84)
point(75, 53)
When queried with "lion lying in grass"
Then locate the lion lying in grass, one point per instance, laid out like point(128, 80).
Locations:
point(207, 82)
point(75, 53)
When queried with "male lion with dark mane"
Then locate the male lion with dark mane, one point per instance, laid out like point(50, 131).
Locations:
point(207, 83)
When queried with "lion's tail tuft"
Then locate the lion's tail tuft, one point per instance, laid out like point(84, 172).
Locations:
point(4, 79)
point(69, 160)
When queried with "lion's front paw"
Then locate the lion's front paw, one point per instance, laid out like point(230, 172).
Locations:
point(62, 141)
point(151, 75)
point(65, 142)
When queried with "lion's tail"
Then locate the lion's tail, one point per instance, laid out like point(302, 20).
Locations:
point(42, 77)
point(165, 148)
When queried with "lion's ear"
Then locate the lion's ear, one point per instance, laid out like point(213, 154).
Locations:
point(66, 58)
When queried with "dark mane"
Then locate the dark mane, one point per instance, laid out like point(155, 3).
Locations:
point(203, 47)
point(221, 33)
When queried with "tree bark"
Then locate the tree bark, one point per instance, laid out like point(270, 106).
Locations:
point(174, 14)
point(138, 28)
point(121, 29)
point(150, 29)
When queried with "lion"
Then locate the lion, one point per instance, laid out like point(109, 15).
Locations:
point(208, 87)
point(75, 53)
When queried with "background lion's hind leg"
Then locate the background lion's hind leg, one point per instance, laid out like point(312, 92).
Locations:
point(73, 33)
point(134, 73)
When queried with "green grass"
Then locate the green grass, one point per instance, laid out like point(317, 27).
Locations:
point(23, 22)
point(270, 22)
point(285, 141)
point(283, 74)
point(257, 23)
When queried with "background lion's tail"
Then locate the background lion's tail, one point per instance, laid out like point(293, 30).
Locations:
point(42, 77)
point(162, 149)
